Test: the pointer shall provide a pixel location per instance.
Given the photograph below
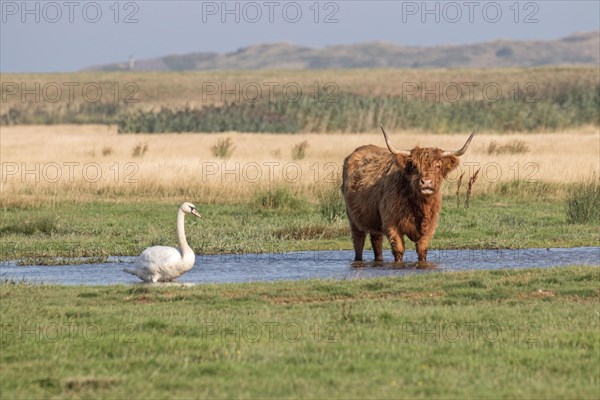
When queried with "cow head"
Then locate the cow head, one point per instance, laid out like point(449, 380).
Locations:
point(427, 167)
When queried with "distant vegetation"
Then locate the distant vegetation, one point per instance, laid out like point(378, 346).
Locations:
point(354, 113)
point(69, 113)
point(550, 98)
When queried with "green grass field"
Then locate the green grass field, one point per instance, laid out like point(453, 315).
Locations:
point(97, 229)
point(491, 334)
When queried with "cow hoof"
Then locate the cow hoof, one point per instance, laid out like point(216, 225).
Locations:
point(426, 265)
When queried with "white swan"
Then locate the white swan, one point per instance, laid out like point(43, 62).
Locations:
point(162, 263)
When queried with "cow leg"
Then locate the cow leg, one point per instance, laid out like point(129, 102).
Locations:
point(397, 243)
point(377, 244)
point(358, 239)
point(422, 249)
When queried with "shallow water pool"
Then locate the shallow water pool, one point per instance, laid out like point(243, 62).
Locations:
point(230, 268)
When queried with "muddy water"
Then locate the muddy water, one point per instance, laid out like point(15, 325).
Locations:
point(305, 265)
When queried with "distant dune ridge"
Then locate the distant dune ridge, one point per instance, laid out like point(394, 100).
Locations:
point(578, 48)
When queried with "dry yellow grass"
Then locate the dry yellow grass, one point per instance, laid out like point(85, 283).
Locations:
point(87, 162)
point(200, 88)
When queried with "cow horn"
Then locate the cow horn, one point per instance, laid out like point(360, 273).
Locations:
point(389, 145)
point(463, 150)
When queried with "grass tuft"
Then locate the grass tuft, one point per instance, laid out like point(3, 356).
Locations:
point(223, 148)
point(331, 204)
point(312, 231)
point(279, 198)
point(525, 190)
point(139, 150)
point(512, 147)
point(299, 150)
point(46, 224)
point(81, 383)
point(583, 202)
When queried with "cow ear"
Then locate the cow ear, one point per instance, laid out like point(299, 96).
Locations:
point(402, 161)
point(449, 164)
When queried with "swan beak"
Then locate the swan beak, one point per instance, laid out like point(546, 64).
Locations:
point(196, 213)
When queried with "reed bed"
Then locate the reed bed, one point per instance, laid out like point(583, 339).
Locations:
point(439, 101)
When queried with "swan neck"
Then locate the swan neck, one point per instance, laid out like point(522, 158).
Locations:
point(183, 245)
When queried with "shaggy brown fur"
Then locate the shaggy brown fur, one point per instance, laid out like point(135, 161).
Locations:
point(394, 195)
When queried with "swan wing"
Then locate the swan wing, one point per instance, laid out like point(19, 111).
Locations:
point(159, 255)
point(158, 262)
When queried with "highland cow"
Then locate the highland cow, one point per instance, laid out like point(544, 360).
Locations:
point(395, 193)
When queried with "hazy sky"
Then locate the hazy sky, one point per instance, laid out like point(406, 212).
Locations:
point(67, 35)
